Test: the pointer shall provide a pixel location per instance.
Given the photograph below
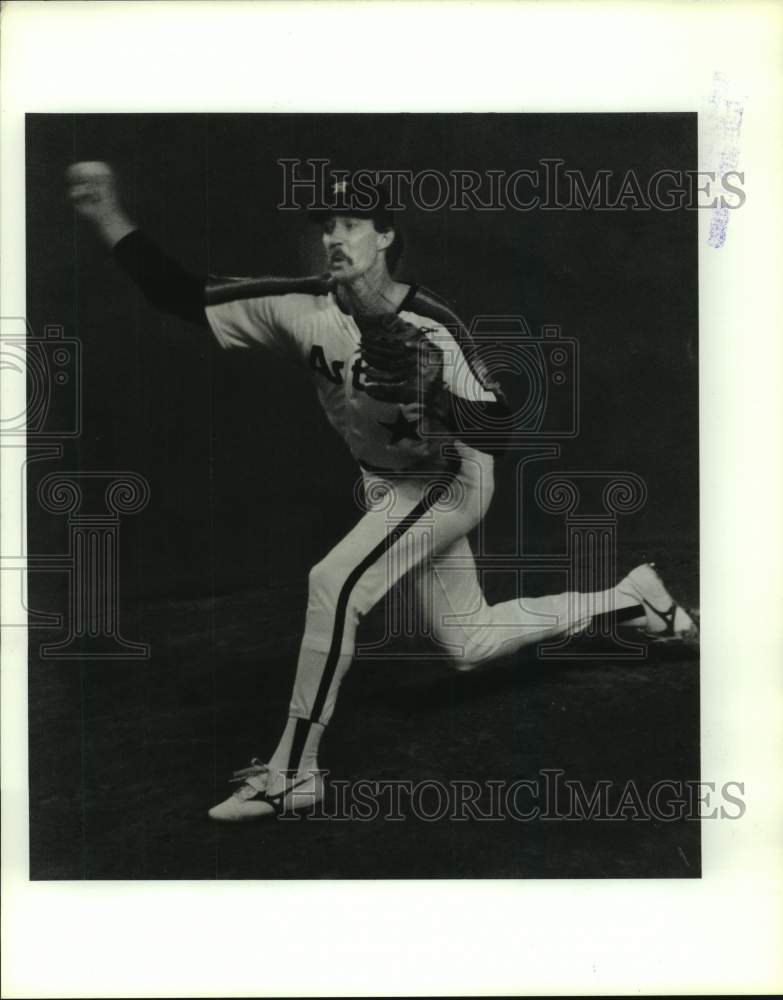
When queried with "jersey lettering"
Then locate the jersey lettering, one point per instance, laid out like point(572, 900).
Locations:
point(358, 369)
point(319, 364)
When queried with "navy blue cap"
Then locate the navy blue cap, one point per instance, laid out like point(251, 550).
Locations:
point(358, 197)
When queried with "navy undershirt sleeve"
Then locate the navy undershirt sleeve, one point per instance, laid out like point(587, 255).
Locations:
point(163, 282)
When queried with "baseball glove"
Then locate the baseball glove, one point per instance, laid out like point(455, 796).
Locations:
point(401, 364)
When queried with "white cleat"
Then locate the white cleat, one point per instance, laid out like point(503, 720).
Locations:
point(252, 799)
point(667, 621)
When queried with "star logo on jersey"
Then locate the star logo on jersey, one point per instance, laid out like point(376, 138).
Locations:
point(401, 428)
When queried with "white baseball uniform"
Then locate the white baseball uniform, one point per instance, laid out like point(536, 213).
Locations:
point(411, 520)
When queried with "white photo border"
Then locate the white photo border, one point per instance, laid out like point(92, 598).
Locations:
point(718, 934)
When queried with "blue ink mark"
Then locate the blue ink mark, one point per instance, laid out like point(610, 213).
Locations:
point(725, 127)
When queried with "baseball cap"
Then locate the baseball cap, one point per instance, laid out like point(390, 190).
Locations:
point(358, 196)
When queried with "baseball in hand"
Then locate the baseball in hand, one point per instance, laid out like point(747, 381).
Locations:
point(92, 188)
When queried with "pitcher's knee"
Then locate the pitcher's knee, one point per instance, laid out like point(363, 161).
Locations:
point(329, 588)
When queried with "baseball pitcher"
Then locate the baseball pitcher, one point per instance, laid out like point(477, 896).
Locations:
point(400, 382)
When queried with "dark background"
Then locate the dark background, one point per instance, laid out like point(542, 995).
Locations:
point(249, 485)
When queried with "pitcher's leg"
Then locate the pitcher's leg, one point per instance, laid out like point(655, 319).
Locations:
point(384, 545)
point(474, 632)
point(352, 578)
point(346, 583)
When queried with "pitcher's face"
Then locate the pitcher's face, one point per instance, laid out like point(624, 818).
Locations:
point(353, 246)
